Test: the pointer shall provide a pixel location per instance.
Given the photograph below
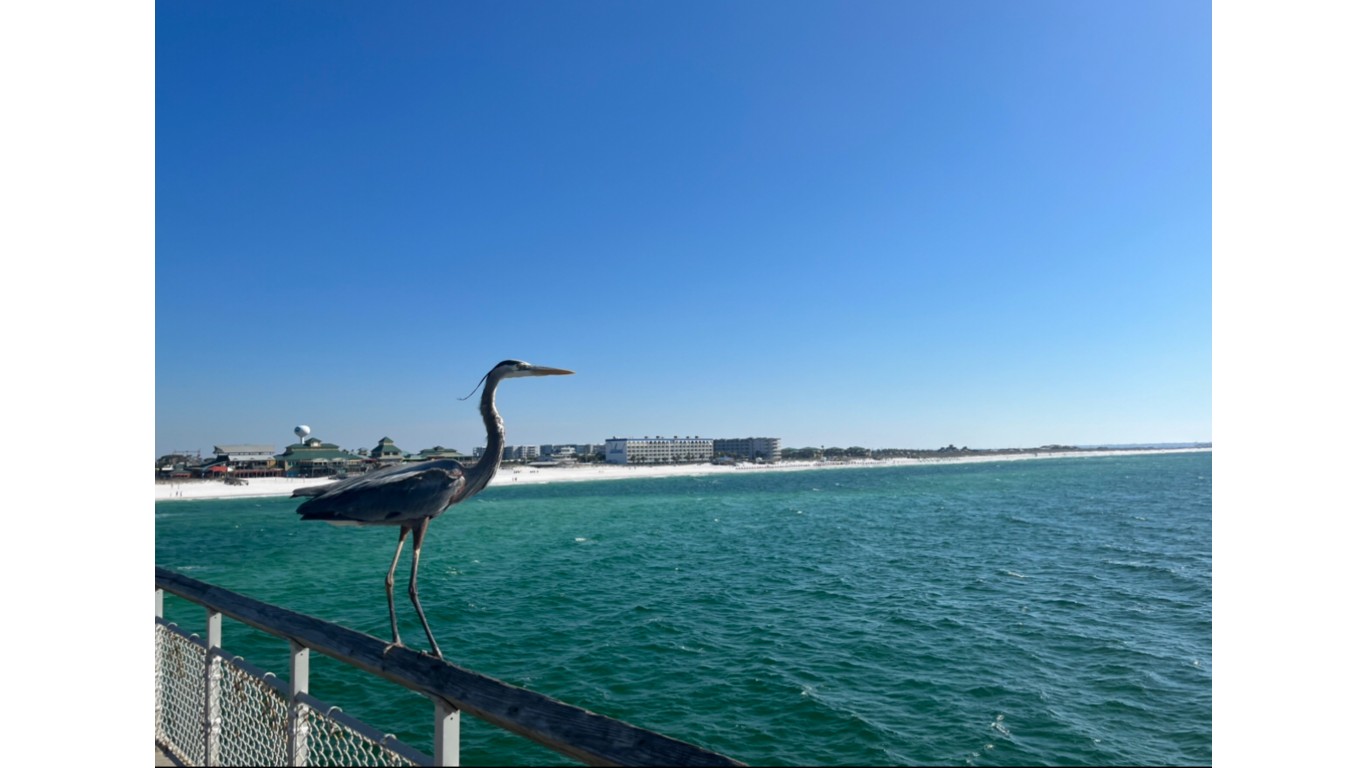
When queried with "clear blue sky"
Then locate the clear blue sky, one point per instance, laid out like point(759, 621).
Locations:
point(901, 224)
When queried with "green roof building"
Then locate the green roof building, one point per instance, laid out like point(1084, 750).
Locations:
point(440, 452)
point(386, 452)
point(314, 458)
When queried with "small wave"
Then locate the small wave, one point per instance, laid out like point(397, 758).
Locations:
point(999, 725)
point(1016, 575)
point(1140, 566)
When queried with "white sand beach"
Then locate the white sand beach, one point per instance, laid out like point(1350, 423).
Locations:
point(284, 486)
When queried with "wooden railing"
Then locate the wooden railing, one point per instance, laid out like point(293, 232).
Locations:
point(576, 733)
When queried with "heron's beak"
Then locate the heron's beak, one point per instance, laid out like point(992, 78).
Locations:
point(540, 370)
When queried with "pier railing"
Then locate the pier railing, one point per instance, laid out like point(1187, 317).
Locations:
point(216, 709)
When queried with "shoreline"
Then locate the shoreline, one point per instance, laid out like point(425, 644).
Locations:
point(257, 487)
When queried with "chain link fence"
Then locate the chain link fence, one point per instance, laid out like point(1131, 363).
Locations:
point(212, 709)
point(254, 712)
point(253, 726)
point(180, 694)
point(336, 738)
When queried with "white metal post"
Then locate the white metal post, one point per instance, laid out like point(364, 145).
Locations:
point(215, 632)
point(446, 746)
point(298, 720)
point(213, 677)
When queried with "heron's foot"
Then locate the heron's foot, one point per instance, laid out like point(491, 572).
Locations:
point(396, 644)
point(435, 652)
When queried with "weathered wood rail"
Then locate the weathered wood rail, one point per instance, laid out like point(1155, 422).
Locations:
point(571, 731)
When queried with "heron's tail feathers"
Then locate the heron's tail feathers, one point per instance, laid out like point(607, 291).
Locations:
point(308, 511)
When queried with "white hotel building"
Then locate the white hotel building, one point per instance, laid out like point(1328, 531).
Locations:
point(655, 450)
point(750, 448)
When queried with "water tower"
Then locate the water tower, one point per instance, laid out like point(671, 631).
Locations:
point(302, 431)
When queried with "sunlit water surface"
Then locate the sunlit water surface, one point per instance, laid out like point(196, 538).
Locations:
point(1030, 612)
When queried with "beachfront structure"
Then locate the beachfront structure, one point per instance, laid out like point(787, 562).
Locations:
point(314, 458)
point(439, 452)
point(176, 466)
point(386, 452)
point(749, 448)
point(559, 452)
point(570, 450)
point(513, 452)
point(657, 450)
point(244, 454)
point(521, 452)
point(248, 460)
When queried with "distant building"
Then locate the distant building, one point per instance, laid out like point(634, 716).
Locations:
point(386, 452)
point(314, 458)
point(657, 450)
point(438, 452)
point(177, 465)
point(244, 453)
point(249, 460)
point(749, 448)
point(521, 452)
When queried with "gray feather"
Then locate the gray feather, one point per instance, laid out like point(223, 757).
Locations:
point(396, 495)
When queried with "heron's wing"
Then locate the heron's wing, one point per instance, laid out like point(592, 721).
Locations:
point(394, 495)
point(378, 474)
point(312, 490)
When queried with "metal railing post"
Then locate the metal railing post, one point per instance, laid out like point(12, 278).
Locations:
point(298, 720)
point(213, 680)
point(446, 745)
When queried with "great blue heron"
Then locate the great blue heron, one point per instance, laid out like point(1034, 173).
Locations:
point(410, 495)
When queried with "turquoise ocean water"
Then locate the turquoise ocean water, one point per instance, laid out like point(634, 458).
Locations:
point(1052, 612)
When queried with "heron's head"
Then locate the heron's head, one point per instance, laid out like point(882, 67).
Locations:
point(511, 369)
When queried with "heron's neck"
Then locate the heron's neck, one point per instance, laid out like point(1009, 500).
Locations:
point(493, 425)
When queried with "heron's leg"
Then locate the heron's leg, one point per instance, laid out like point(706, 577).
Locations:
point(418, 533)
point(389, 583)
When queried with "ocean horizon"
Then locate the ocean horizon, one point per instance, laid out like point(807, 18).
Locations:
point(998, 613)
